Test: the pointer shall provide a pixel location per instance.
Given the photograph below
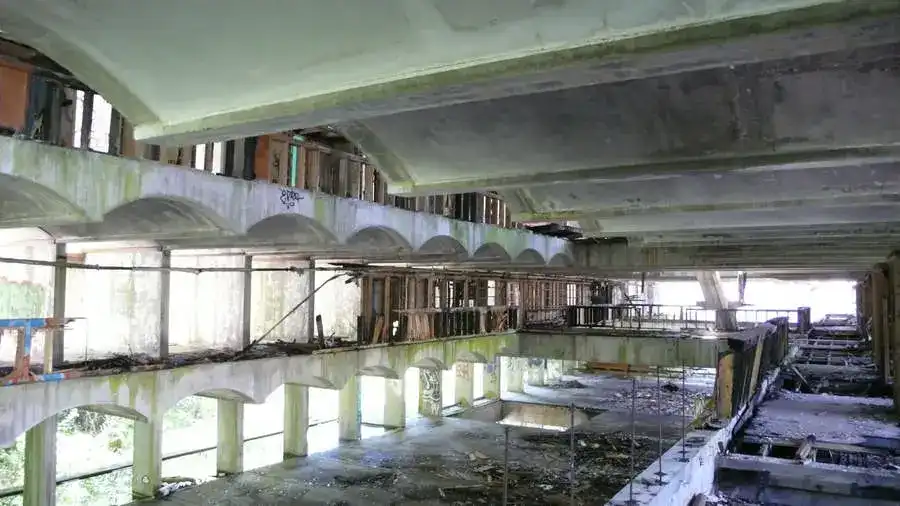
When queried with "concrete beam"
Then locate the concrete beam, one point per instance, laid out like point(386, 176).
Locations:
point(81, 195)
point(596, 347)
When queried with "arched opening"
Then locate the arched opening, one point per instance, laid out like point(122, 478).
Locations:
point(561, 260)
point(291, 229)
point(29, 204)
point(378, 238)
point(530, 257)
point(159, 218)
point(443, 246)
point(491, 252)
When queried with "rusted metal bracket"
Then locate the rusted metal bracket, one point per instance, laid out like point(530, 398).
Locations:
point(25, 329)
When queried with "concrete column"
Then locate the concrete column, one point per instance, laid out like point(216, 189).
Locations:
point(715, 298)
point(394, 403)
point(880, 334)
point(165, 285)
point(514, 373)
point(230, 448)
point(491, 379)
point(147, 471)
point(311, 303)
point(247, 301)
point(892, 350)
point(431, 400)
point(535, 375)
point(555, 370)
point(40, 464)
point(348, 410)
point(465, 383)
point(59, 307)
point(296, 420)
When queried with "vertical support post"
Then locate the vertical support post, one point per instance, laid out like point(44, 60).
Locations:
point(247, 301)
point(537, 369)
point(465, 384)
point(146, 474)
point(311, 302)
point(724, 386)
point(40, 464)
point(296, 420)
point(165, 286)
point(892, 348)
point(513, 371)
point(394, 403)
point(230, 448)
point(349, 414)
point(57, 336)
point(491, 379)
point(87, 120)
point(431, 399)
point(880, 331)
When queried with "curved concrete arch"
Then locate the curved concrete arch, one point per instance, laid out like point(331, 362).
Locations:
point(379, 371)
point(443, 245)
point(294, 228)
point(471, 357)
point(161, 216)
point(26, 204)
point(491, 252)
point(224, 392)
point(429, 363)
point(530, 257)
point(561, 260)
point(378, 238)
point(28, 419)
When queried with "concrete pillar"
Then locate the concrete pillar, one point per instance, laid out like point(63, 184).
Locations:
point(715, 298)
point(491, 379)
point(348, 410)
point(555, 370)
point(880, 333)
point(535, 375)
point(40, 464)
point(514, 373)
point(165, 285)
point(311, 303)
point(296, 420)
point(230, 448)
point(246, 301)
point(892, 349)
point(465, 383)
point(146, 474)
point(394, 403)
point(59, 307)
point(431, 400)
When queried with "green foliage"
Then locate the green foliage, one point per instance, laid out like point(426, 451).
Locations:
point(82, 421)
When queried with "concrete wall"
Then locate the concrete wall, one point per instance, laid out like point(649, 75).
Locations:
point(120, 308)
point(273, 295)
point(206, 309)
point(148, 395)
point(25, 291)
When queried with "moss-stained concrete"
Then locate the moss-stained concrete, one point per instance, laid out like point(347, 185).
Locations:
point(76, 186)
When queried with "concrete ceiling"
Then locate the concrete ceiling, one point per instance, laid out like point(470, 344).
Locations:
point(730, 125)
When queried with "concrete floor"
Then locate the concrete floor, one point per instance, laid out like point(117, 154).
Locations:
point(459, 460)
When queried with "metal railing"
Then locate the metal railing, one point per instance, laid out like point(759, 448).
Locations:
point(648, 317)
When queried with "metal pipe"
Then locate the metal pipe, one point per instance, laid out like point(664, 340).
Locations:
point(505, 465)
point(572, 454)
point(633, 408)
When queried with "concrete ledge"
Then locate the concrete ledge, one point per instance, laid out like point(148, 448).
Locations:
point(148, 395)
point(638, 351)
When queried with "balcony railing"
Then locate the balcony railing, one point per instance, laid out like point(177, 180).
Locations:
point(647, 317)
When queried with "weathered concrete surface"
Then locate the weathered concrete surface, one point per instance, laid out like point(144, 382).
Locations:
point(80, 195)
point(391, 57)
point(596, 347)
point(147, 395)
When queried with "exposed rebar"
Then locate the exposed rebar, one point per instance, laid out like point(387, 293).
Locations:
point(633, 435)
point(683, 412)
point(659, 440)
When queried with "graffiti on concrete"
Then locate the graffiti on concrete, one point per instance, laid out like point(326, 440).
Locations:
point(431, 401)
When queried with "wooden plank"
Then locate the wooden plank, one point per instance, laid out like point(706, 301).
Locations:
point(14, 82)
point(818, 445)
point(757, 358)
point(725, 387)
